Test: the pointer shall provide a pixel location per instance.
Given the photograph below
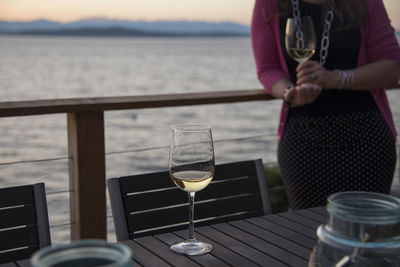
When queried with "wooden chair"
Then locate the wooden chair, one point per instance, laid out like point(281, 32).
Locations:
point(150, 203)
point(24, 223)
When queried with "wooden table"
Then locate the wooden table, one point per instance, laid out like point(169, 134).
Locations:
point(284, 239)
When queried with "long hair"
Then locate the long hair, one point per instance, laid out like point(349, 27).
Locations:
point(350, 13)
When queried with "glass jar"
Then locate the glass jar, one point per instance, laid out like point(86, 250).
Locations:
point(363, 230)
point(83, 253)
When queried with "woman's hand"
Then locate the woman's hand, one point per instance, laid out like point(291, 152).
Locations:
point(303, 94)
point(312, 72)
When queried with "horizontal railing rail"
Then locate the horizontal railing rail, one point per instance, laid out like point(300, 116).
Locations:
point(74, 105)
point(86, 152)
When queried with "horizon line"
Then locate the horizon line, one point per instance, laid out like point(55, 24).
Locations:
point(124, 19)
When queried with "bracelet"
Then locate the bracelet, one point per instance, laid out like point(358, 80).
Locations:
point(287, 89)
point(346, 79)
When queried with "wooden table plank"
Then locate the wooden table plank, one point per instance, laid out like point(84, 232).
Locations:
point(284, 232)
point(225, 254)
point(203, 260)
point(239, 247)
point(319, 210)
point(163, 251)
point(269, 249)
point(135, 263)
point(274, 239)
point(299, 228)
point(301, 220)
point(312, 215)
point(143, 256)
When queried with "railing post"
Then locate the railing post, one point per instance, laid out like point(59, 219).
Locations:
point(87, 175)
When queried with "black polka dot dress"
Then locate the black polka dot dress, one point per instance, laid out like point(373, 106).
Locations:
point(341, 142)
point(322, 155)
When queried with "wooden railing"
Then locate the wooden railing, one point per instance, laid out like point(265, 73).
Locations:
point(85, 126)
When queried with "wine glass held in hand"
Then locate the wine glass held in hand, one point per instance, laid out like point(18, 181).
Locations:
point(300, 40)
point(191, 167)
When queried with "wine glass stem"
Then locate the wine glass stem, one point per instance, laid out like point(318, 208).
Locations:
point(191, 216)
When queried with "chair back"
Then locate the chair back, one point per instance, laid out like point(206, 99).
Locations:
point(150, 203)
point(24, 223)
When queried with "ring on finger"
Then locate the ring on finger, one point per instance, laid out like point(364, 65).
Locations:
point(312, 76)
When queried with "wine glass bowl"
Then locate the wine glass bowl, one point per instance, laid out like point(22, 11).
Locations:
point(191, 168)
point(300, 40)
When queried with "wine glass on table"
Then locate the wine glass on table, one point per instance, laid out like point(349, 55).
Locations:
point(300, 40)
point(191, 167)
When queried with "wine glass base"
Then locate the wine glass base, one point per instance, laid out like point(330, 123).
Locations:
point(191, 247)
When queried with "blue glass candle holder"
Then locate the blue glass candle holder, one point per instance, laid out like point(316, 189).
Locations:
point(81, 253)
point(363, 230)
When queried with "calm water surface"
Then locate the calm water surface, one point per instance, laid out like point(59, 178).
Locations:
point(59, 67)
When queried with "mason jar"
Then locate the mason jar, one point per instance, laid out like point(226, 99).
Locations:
point(363, 230)
point(83, 253)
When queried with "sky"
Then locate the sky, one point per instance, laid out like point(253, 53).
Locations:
point(207, 10)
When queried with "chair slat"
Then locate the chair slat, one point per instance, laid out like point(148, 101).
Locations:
point(15, 196)
point(145, 182)
point(197, 223)
point(234, 204)
point(19, 237)
point(152, 200)
point(237, 169)
point(157, 180)
point(17, 254)
point(231, 187)
point(175, 215)
point(17, 217)
point(167, 216)
point(8, 264)
point(175, 196)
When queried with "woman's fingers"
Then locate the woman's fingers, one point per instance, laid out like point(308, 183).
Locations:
point(310, 75)
point(310, 89)
point(308, 71)
point(290, 95)
point(303, 94)
point(306, 64)
point(313, 72)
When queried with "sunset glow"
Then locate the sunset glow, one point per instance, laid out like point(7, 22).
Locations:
point(207, 10)
point(66, 11)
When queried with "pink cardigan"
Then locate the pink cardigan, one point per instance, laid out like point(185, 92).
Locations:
point(377, 42)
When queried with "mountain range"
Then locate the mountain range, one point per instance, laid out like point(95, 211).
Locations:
point(114, 27)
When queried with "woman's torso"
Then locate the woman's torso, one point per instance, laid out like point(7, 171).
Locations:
point(343, 54)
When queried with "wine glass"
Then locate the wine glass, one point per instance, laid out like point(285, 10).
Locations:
point(191, 167)
point(300, 42)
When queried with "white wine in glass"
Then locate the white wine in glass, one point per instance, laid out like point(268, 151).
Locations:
point(191, 167)
point(191, 181)
point(300, 42)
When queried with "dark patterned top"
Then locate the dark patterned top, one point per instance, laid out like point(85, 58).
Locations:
point(342, 54)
